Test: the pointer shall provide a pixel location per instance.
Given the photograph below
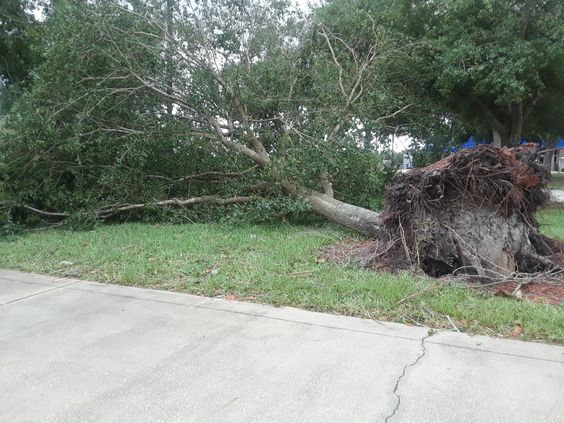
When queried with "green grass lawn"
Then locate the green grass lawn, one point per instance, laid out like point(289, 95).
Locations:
point(275, 264)
point(556, 181)
point(552, 222)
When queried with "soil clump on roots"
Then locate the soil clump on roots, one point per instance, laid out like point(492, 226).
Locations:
point(471, 214)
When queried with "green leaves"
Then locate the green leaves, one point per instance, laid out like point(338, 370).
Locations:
point(477, 62)
point(131, 103)
point(495, 54)
point(18, 50)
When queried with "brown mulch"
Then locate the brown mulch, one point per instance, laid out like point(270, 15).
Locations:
point(536, 292)
point(367, 254)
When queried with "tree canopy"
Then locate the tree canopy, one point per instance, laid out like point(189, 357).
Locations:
point(18, 49)
point(496, 63)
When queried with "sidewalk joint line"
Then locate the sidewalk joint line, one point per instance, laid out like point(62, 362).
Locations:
point(37, 293)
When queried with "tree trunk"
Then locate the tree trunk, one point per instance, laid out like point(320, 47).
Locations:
point(516, 123)
point(357, 218)
point(506, 140)
point(496, 138)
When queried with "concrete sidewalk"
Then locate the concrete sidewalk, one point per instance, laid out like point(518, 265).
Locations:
point(77, 351)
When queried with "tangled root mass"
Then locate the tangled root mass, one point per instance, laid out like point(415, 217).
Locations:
point(471, 213)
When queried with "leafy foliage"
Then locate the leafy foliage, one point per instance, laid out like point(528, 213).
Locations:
point(484, 65)
point(18, 50)
point(147, 100)
point(140, 102)
point(493, 62)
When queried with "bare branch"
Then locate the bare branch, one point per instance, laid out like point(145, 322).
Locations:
point(335, 60)
point(109, 211)
point(261, 160)
point(46, 213)
point(327, 186)
point(206, 175)
point(394, 114)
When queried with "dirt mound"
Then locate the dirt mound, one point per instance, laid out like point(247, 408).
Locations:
point(540, 288)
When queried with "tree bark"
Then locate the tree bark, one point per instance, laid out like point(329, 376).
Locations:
point(496, 138)
point(109, 211)
point(364, 221)
point(516, 123)
point(357, 218)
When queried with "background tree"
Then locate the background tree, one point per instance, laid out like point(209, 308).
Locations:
point(493, 62)
point(490, 64)
point(18, 49)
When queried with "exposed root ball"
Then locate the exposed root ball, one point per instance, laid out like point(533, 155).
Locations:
point(470, 213)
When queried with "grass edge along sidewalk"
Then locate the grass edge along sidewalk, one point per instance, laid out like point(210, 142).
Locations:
point(279, 265)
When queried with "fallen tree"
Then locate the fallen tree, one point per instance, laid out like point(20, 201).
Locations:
point(173, 116)
point(199, 104)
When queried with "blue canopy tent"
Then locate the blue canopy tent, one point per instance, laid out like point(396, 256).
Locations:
point(471, 142)
point(541, 143)
point(450, 149)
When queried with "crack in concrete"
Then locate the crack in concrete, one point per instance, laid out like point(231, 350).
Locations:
point(402, 375)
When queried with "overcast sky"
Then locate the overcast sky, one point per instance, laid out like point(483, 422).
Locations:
point(306, 4)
